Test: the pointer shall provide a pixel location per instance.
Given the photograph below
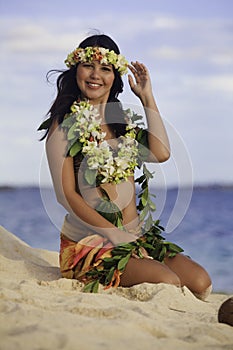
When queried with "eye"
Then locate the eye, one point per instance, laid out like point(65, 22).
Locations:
point(107, 68)
point(87, 64)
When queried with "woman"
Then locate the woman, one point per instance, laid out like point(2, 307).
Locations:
point(104, 237)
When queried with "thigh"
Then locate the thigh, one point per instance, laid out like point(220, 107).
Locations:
point(191, 274)
point(147, 270)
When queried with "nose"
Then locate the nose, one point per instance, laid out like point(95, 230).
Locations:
point(95, 73)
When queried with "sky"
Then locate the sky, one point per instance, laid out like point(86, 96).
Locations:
point(187, 47)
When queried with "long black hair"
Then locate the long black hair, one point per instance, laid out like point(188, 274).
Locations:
point(68, 90)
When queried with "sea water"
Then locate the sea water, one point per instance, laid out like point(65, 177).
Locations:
point(199, 220)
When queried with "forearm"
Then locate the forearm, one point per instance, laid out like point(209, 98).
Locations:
point(75, 204)
point(157, 136)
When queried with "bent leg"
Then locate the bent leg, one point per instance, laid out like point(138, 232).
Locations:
point(191, 274)
point(147, 270)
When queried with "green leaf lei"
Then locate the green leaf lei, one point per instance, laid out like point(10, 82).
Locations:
point(151, 240)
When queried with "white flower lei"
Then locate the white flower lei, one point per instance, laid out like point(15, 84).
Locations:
point(83, 127)
point(104, 56)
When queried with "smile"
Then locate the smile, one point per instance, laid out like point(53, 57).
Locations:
point(93, 84)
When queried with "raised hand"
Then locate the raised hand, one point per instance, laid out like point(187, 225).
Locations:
point(141, 84)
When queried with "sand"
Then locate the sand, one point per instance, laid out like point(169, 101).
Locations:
point(41, 310)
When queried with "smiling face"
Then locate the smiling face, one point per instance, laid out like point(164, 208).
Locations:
point(95, 81)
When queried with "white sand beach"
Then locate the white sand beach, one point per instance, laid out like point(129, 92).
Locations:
point(41, 310)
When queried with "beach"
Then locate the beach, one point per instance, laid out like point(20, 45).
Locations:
point(41, 310)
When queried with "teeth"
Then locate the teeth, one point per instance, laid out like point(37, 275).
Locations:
point(92, 84)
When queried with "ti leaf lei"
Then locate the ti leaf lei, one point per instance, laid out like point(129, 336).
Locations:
point(155, 245)
point(150, 239)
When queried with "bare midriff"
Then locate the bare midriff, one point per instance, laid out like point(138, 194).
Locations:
point(122, 194)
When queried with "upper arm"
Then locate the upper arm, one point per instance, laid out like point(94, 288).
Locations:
point(61, 167)
point(146, 152)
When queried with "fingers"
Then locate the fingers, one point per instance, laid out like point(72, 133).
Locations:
point(143, 254)
point(138, 68)
point(131, 82)
point(139, 72)
point(139, 81)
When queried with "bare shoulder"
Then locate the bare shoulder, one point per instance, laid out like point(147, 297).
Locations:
point(54, 127)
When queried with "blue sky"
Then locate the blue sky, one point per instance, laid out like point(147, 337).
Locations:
point(186, 45)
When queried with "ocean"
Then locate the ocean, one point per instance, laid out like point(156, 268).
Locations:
point(199, 220)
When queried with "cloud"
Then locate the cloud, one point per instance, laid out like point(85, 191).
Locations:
point(190, 62)
point(216, 83)
point(169, 37)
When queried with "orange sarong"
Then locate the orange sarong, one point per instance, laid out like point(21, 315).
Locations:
point(78, 258)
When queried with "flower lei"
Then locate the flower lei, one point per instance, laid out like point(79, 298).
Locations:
point(84, 135)
point(104, 56)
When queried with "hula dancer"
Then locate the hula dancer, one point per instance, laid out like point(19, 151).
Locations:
point(93, 148)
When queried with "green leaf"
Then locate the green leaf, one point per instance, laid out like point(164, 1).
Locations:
point(75, 148)
point(144, 197)
point(152, 205)
point(162, 253)
point(122, 263)
point(147, 245)
point(141, 137)
point(104, 194)
point(91, 287)
point(90, 176)
point(123, 247)
point(68, 121)
point(110, 213)
point(136, 117)
point(71, 132)
point(148, 223)
point(147, 173)
point(110, 210)
point(95, 287)
point(143, 214)
point(112, 259)
point(172, 255)
point(144, 201)
point(174, 248)
point(143, 152)
point(119, 223)
point(109, 276)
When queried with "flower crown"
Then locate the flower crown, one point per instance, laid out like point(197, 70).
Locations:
point(104, 56)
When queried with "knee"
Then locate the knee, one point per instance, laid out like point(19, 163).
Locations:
point(171, 278)
point(204, 295)
point(202, 284)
